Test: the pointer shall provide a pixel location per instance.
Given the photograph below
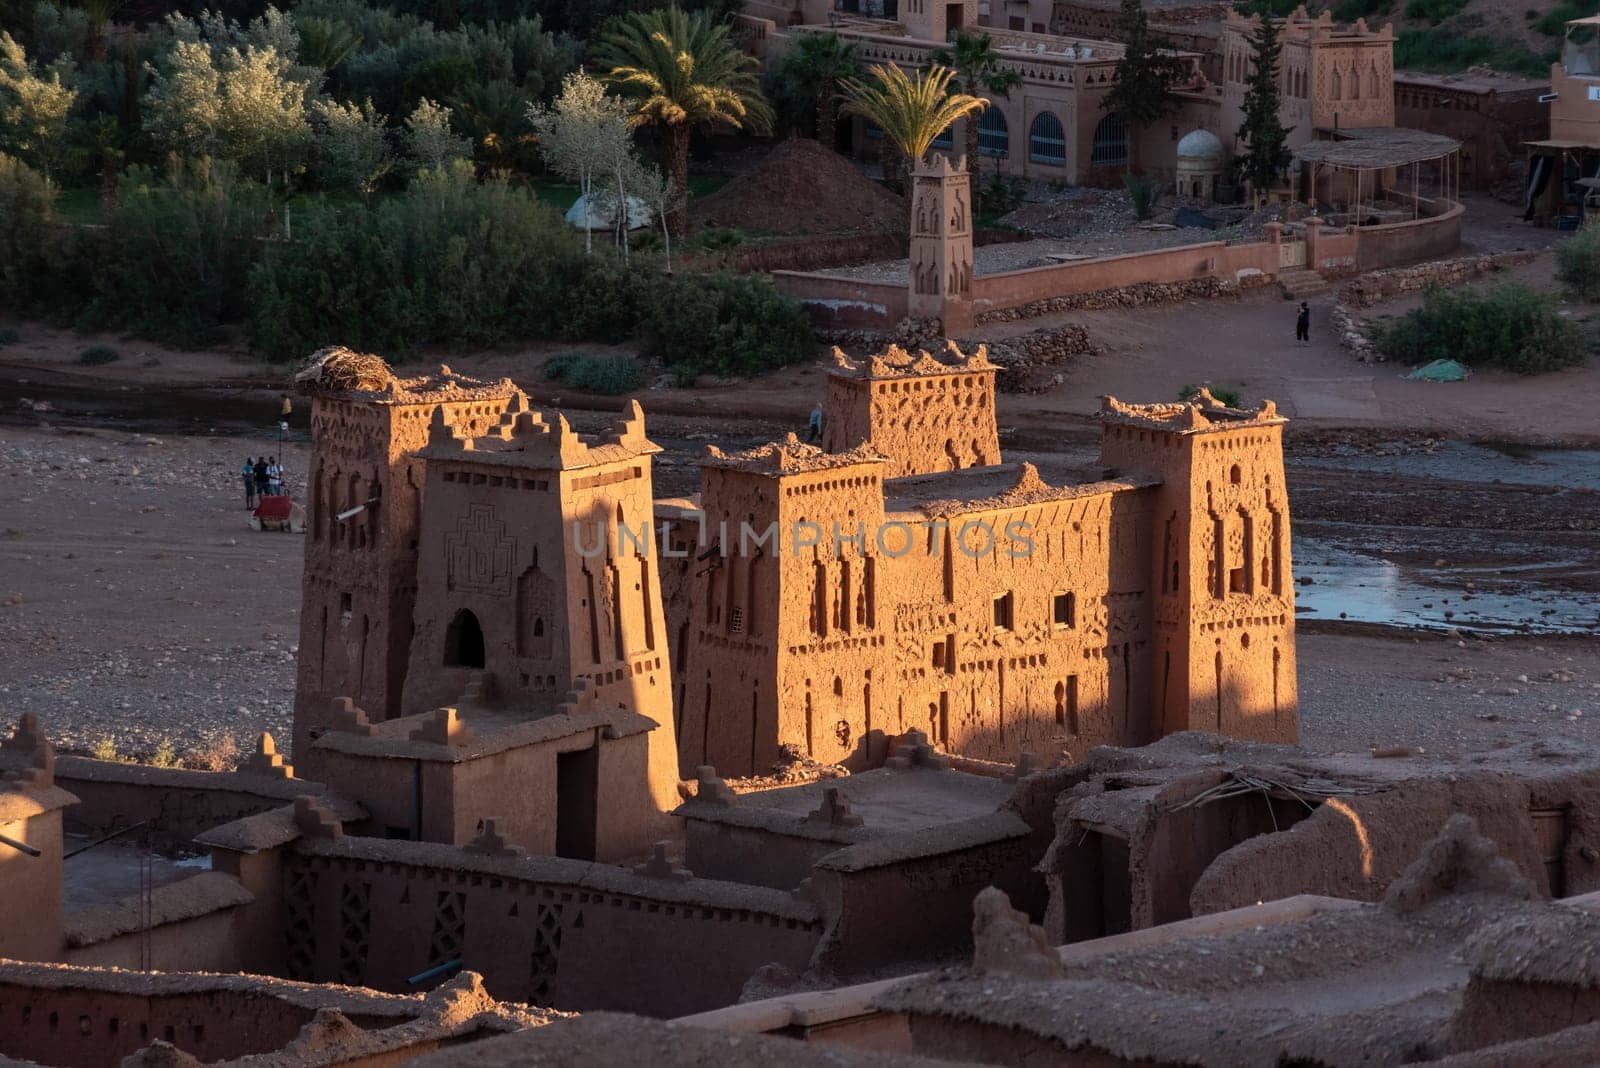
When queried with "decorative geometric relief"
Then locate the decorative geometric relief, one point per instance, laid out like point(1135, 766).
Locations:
point(355, 927)
point(478, 554)
point(300, 903)
point(449, 927)
point(546, 956)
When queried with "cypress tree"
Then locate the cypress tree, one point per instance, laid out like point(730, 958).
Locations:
point(1263, 133)
point(1142, 89)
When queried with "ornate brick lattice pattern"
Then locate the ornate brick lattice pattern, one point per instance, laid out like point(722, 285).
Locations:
point(355, 929)
point(300, 902)
point(546, 956)
point(449, 927)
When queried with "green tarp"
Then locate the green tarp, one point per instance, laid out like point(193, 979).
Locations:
point(1440, 371)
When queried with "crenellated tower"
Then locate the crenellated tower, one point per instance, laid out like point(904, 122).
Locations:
point(538, 572)
point(1222, 595)
point(364, 510)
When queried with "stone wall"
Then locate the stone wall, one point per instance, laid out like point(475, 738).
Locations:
point(1028, 362)
point(174, 803)
point(60, 1015)
point(844, 303)
point(545, 930)
point(1211, 261)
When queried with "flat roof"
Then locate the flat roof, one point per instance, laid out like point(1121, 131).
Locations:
point(890, 802)
point(1373, 147)
point(493, 730)
point(1473, 81)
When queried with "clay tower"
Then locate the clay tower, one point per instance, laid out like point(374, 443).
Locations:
point(363, 510)
point(1223, 599)
point(941, 243)
point(785, 624)
point(538, 570)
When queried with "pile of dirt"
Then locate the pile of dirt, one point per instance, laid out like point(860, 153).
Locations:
point(801, 187)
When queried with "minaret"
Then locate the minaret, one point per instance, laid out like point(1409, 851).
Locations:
point(941, 244)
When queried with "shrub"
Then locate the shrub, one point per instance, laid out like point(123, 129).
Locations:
point(1144, 191)
point(725, 324)
point(1578, 263)
point(27, 224)
point(106, 749)
point(8, 336)
point(1442, 50)
point(164, 756)
point(1509, 326)
point(177, 256)
point(450, 259)
point(1229, 397)
point(98, 354)
point(610, 375)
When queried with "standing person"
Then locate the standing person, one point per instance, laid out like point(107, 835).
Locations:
point(814, 426)
point(260, 471)
point(1302, 325)
point(274, 477)
point(248, 473)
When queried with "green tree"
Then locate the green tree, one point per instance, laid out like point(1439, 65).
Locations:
point(584, 135)
point(815, 65)
point(245, 105)
point(682, 72)
point(27, 225)
point(911, 110)
point(978, 71)
point(430, 144)
point(35, 107)
point(1142, 90)
point(352, 145)
point(325, 43)
point(1263, 132)
point(495, 114)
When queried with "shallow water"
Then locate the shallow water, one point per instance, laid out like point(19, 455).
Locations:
point(1355, 587)
point(1464, 461)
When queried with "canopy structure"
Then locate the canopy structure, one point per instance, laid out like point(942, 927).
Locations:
point(602, 214)
point(1376, 175)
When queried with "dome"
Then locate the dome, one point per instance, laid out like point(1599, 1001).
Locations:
point(1200, 145)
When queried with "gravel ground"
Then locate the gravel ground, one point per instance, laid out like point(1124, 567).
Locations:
point(135, 603)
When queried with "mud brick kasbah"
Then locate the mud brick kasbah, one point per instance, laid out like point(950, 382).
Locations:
point(466, 551)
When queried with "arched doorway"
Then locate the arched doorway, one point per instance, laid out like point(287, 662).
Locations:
point(463, 641)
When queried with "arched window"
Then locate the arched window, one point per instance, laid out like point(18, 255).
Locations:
point(463, 641)
point(1047, 141)
point(944, 140)
point(994, 138)
point(1110, 143)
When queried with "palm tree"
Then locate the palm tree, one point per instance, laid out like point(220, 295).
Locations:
point(817, 63)
point(682, 72)
point(977, 71)
point(910, 110)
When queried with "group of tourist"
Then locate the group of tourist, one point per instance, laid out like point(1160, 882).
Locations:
point(263, 477)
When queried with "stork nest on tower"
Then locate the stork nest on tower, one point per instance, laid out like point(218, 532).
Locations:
point(338, 370)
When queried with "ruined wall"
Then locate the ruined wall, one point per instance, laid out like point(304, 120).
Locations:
point(67, 1018)
point(544, 930)
point(1492, 125)
point(175, 804)
point(1355, 846)
point(886, 908)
